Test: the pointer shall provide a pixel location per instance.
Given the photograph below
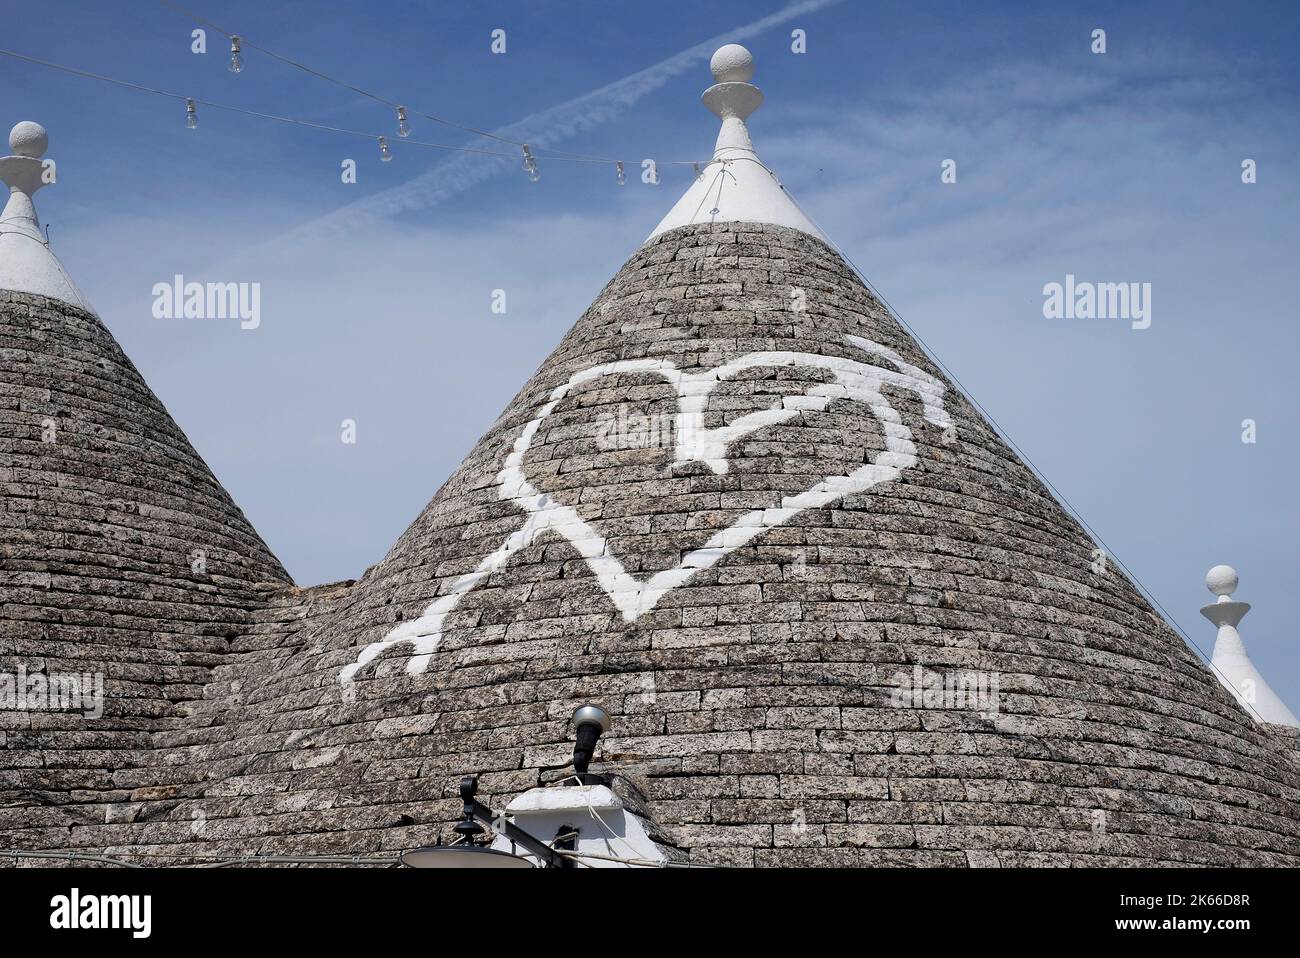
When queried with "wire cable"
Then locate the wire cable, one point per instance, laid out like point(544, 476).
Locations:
point(245, 42)
point(295, 121)
point(1029, 462)
point(310, 124)
point(544, 152)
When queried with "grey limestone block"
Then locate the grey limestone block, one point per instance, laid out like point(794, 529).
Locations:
point(756, 706)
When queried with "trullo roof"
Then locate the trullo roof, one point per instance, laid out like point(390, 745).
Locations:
point(836, 620)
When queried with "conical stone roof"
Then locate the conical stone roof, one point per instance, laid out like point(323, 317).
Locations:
point(122, 559)
point(834, 617)
point(761, 684)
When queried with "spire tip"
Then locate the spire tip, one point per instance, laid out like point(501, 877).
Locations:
point(732, 64)
point(1221, 580)
point(29, 139)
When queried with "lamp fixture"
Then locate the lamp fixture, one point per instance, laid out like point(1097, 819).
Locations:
point(592, 722)
point(471, 849)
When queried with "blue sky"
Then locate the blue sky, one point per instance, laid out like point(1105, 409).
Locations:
point(376, 296)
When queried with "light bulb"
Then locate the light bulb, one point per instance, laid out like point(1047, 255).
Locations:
point(622, 177)
point(385, 153)
point(530, 165)
point(191, 114)
point(236, 60)
point(403, 128)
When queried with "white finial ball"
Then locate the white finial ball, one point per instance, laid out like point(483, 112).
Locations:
point(732, 63)
point(1221, 580)
point(29, 139)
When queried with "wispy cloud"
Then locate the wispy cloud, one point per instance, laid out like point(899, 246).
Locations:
point(544, 129)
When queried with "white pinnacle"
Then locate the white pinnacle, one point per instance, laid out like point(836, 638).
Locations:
point(735, 186)
point(27, 265)
point(29, 139)
point(732, 63)
point(1231, 663)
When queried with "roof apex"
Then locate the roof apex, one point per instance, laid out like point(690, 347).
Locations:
point(1232, 664)
point(736, 186)
point(27, 264)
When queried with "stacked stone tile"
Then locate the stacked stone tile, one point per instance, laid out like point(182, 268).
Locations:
point(754, 705)
point(120, 554)
point(765, 703)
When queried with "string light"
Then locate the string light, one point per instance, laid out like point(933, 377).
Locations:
point(322, 75)
point(191, 120)
point(403, 128)
point(622, 177)
point(236, 59)
point(385, 153)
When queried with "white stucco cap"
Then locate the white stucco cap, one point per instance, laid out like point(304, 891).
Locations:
point(735, 186)
point(27, 264)
point(605, 834)
point(1232, 665)
point(542, 800)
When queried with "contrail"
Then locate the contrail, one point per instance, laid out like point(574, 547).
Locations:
point(540, 130)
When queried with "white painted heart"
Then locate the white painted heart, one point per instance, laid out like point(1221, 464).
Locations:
point(634, 597)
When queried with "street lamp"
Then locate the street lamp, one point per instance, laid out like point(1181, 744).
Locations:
point(591, 721)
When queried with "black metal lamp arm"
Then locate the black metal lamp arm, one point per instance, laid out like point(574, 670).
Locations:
point(530, 843)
